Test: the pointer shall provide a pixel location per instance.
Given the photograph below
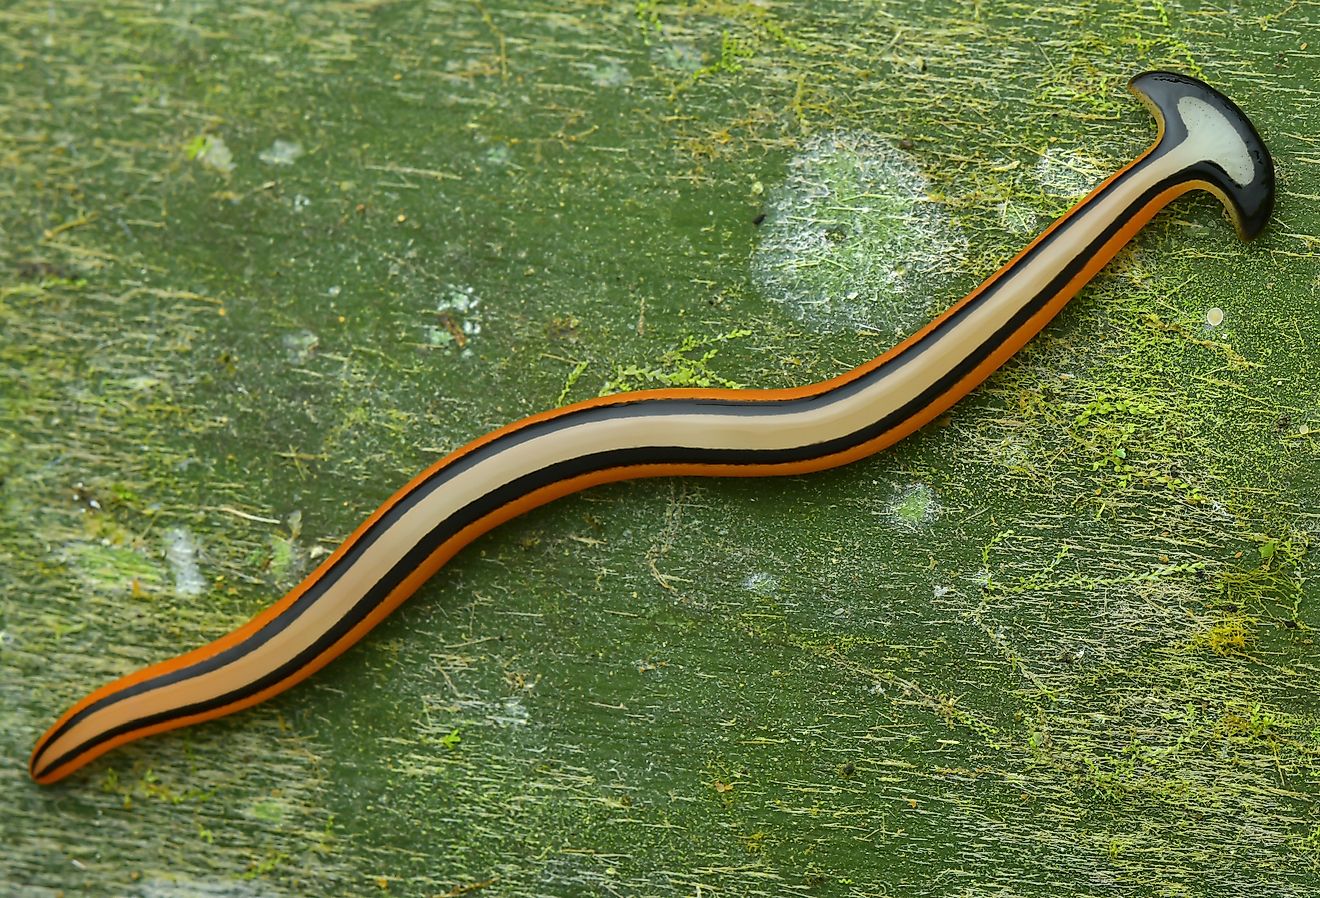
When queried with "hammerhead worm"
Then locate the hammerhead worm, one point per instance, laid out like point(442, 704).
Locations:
point(1204, 142)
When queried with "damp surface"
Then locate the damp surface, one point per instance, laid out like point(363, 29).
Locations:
point(259, 266)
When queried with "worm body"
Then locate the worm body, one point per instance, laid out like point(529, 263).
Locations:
point(1204, 142)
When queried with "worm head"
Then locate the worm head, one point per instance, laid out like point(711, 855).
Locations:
point(1213, 143)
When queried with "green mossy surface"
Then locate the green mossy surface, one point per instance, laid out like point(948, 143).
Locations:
point(260, 264)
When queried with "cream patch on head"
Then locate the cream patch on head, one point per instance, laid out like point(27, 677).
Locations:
point(1216, 137)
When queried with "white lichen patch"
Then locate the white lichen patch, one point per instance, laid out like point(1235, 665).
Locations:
point(511, 712)
point(761, 583)
point(281, 152)
point(300, 346)
point(1018, 218)
point(607, 73)
point(679, 55)
point(181, 553)
point(914, 505)
point(851, 239)
point(499, 155)
point(1068, 174)
point(211, 151)
point(456, 319)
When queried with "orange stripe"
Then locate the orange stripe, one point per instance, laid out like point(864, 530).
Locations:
point(546, 494)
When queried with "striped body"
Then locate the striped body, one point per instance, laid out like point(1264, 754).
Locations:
point(1204, 142)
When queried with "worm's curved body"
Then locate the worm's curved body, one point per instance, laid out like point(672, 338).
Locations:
point(1205, 142)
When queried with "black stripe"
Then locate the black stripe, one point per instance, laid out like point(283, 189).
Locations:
point(605, 460)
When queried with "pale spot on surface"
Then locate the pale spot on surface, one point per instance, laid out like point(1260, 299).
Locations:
point(181, 553)
point(761, 583)
point(212, 152)
point(511, 712)
point(1018, 218)
point(914, 505)
point(678, 55)
point(1214, 317)
point(281, 152)
point(456, 319)
point(851, 238)
point(300, 346)
point(1067, 173)
point(607, 73)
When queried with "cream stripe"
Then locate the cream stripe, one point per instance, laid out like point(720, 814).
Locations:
point(829, 420)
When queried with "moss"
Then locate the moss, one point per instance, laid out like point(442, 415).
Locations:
point(677, 367)
point(1230, 636)
point(1094, 664)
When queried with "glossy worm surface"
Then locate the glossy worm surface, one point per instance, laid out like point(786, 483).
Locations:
point(1204, 142)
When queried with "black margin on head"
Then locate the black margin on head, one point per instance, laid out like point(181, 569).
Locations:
point(1248, 204)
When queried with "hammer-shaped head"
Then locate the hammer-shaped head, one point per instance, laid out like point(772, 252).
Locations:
point(1214, 141)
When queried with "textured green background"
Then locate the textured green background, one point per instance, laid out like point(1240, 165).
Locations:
point(1063, 642)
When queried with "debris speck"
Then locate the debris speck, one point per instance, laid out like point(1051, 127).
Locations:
point(457, 319)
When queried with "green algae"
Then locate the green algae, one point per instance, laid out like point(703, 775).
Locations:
point(677, 367)
point(1094, 665)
